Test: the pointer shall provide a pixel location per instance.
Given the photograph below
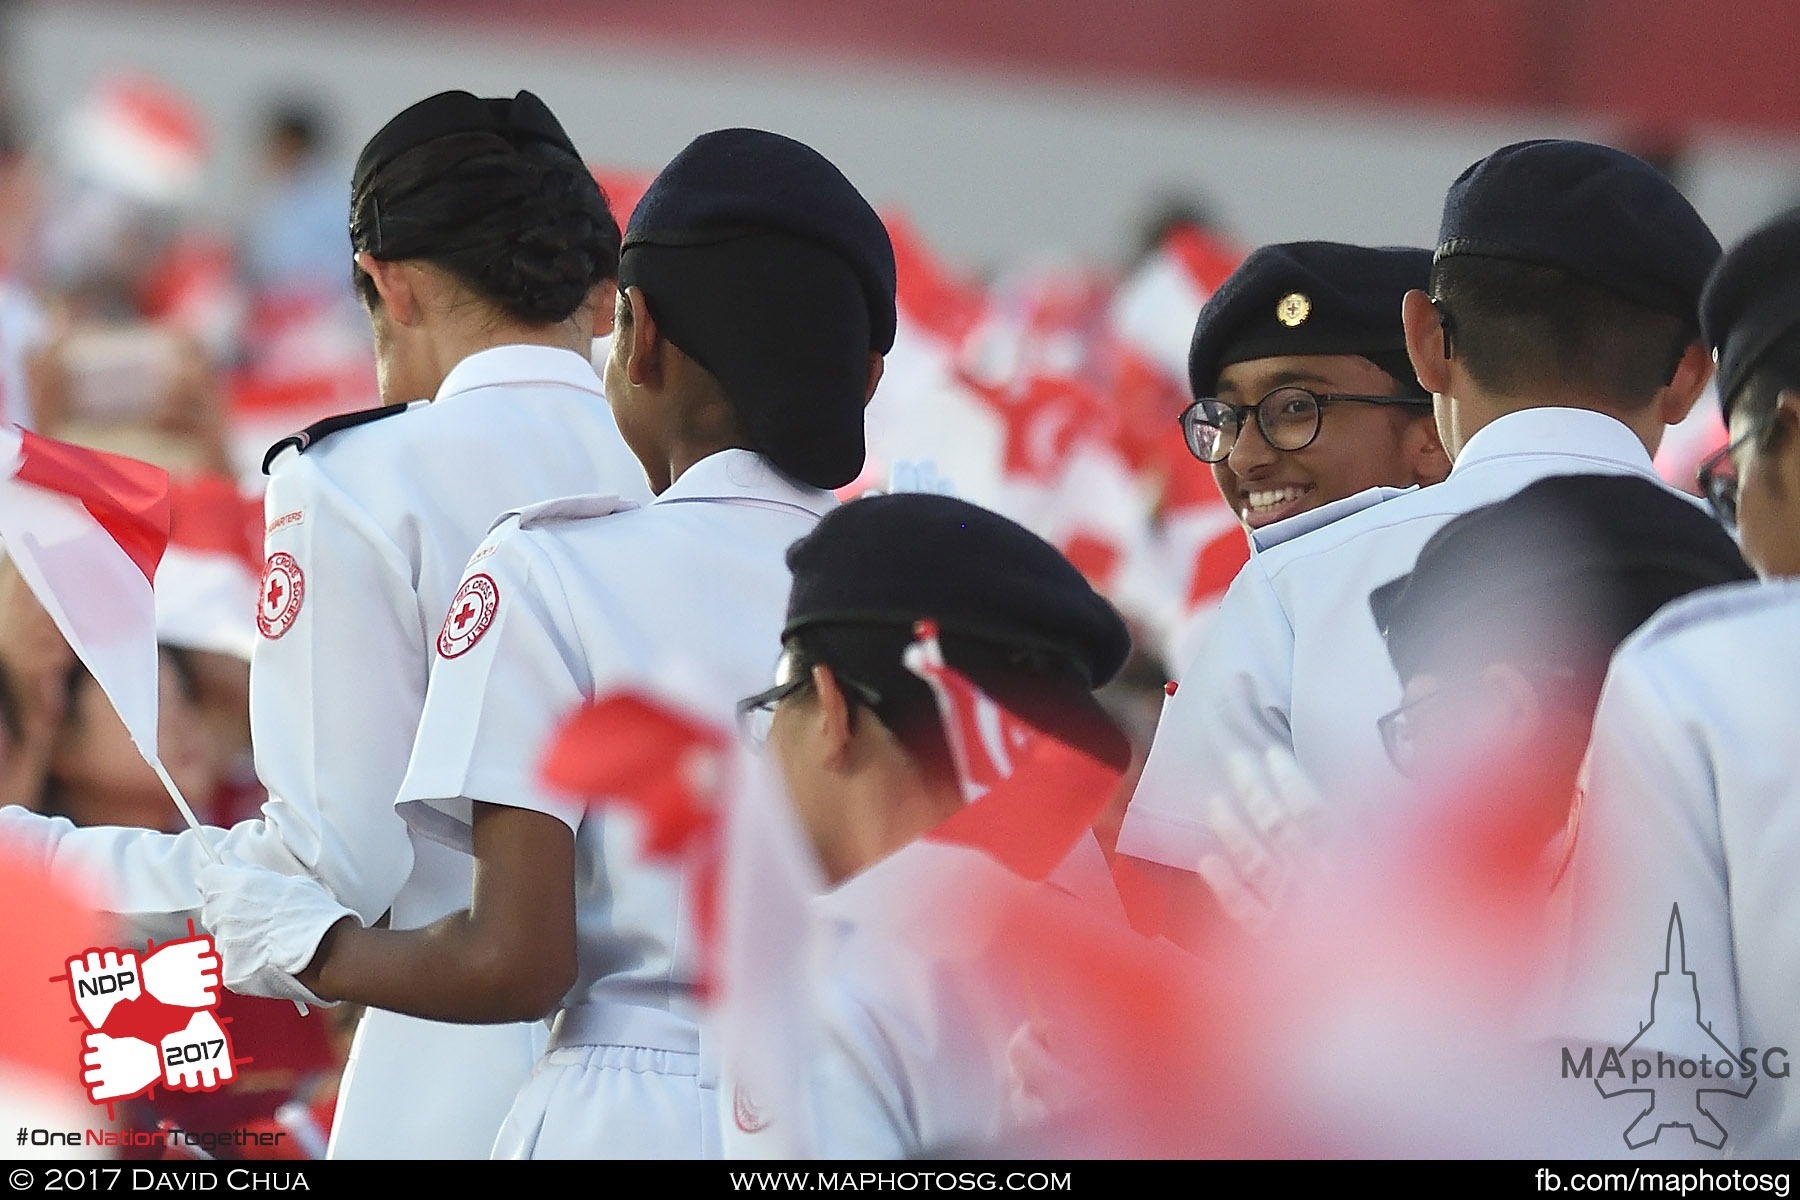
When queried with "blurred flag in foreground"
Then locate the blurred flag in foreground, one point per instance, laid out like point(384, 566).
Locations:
point(86, 530)
point(668, 767)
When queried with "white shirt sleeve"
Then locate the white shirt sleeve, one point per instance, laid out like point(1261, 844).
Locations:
point(334, 699)
point(1646, 842)
point(1237, 695)
point(492, 704)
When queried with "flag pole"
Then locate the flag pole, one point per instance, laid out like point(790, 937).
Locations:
point(187, 814)
point(193, 823)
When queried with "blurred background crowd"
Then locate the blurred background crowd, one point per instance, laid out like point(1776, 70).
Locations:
point(1065, 184)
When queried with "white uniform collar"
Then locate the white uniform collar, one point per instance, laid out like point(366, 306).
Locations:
point(518, 364)
point(732, 474)
point(1563, 432)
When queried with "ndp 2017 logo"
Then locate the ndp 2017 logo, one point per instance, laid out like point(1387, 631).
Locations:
point(150, 1019)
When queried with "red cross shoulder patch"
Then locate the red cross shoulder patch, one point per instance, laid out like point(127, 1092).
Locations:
point(472, 610)
point(283, 588)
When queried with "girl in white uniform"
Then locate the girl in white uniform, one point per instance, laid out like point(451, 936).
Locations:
point(486, 255)
point(759, 298)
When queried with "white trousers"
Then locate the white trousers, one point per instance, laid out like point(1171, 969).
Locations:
point(617, 1082)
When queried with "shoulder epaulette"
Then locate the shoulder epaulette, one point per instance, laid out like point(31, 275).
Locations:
point(566, 508)
point(318, 431)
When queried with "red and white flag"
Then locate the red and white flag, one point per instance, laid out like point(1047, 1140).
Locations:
point(207, 584)
point(1031, 798)
point(86, 530)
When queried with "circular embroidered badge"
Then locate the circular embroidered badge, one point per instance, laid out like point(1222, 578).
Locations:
point(472, 610)
point(283, 588)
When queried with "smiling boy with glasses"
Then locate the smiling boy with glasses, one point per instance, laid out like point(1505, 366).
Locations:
point(1303, 393)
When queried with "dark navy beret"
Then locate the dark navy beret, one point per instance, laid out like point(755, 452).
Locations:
point(731, 182)
point(1596, 212)
point(1752, 302)
point(1557, 574)
point(761, 262)
point(1309, 298)
point(900, 558)
point(523, 119)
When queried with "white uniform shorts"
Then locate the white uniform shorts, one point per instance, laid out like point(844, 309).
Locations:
point(643, 1093)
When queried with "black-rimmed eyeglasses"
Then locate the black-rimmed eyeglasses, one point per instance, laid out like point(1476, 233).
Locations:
point(1718, 478)
point(1408, 731)
point(1287, 416)
point(756, 714)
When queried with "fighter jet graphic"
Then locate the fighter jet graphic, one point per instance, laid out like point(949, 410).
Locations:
point(1673, 1101)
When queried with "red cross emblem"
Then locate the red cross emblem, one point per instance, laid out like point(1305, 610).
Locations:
point(283, 589)
point(472, 610)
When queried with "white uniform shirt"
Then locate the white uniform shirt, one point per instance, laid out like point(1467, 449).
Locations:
point(1293, 658)
point(1692, 799)
point(371, 529)
point(695, 584)
point(909, 1017)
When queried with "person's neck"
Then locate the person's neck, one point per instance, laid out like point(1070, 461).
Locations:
point(893, 809)
point(440, 354)
point(1473, 410)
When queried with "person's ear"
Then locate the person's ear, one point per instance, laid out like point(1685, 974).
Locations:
point(601, 298)
point(1520, 711)
point(877, 365)
point(1781, 443)
point(833, 716)
point(1427, 340)
point(1692, 373)
point(397, 283)
point(1424, 450)
point(643, 350)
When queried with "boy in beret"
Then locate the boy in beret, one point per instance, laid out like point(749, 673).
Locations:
point(1303, 395)
point(915, 1040)
point(1559, 335)
point(1687, 831)
point(756, 301)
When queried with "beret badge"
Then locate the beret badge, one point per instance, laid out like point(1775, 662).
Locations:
point(1293, 309)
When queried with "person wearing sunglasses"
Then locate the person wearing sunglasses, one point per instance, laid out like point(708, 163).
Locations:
point(1690, 821)
point(914, 1048)
point(1303, 392)
point(1559, 335)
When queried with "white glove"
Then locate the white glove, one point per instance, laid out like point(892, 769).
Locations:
point(116, 1067)
point(100, 979)
point(198, 1058)
point(1270, 827)
point(919, 475)
point(267, 927)
point(184, 973)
